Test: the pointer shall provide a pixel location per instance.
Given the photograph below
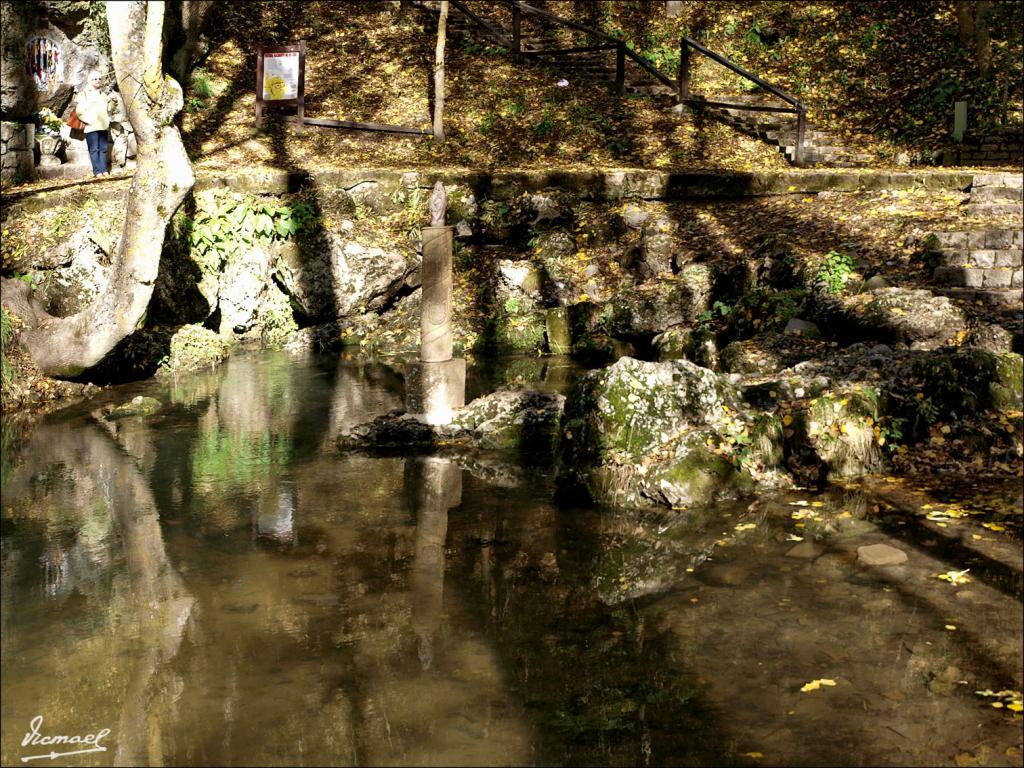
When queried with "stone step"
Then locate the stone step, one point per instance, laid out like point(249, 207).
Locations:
point(997, 278)
point(993, 209)
point(1012, 180)
point(999, 298)
point(993, 238)
point(788, 137)
point(996, 195)
point(982, 258)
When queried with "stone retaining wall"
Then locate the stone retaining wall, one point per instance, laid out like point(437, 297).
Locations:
point(601, 185)
point(17, 142)
point(984, 257)
point(1003, 147)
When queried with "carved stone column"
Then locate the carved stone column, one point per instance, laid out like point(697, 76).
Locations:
point(435, 387)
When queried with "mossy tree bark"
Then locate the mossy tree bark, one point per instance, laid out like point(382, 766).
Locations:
point(67, 346)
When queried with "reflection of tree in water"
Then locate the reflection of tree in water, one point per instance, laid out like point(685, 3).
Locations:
point(97, 476)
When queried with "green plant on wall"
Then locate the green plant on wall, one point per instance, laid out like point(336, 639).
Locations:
point(6, 336)
point(226, 222)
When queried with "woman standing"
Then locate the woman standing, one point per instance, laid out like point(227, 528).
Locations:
point(93, 110)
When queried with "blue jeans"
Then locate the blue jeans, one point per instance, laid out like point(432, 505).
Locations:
point(98, 143)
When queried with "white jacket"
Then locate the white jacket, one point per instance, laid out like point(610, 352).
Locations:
point(91, 106)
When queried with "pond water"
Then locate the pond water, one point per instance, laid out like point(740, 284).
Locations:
point(216, 585)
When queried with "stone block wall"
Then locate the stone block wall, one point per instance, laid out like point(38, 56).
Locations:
point(986, 256)
point(1002, 147)
point(17, 145)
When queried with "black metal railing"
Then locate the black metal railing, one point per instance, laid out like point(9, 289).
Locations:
point(797, 107)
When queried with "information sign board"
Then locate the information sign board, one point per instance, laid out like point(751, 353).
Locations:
point(280, 78)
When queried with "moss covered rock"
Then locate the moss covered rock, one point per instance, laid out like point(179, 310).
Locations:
point(137, 406)
point(840, 426)
point(767, 353)
point(663, 433)
point(192, 348)
point(901, 315)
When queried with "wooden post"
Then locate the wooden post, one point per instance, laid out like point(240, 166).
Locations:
point(516, 24)
point(684, 71)
point(259, 87)
point(442, 34)
point(620, 68)
point(301, 105)
point(801, 127)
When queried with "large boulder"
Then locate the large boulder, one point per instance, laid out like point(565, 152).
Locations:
point(517, 285)
point(900, 315)
point(242, 287)
point(330, 277)
point(510, 419)
point(82, 276)
point(767, 353)
point(656, 306)
point(638, 433)
point(17, 92)
point(513, 419)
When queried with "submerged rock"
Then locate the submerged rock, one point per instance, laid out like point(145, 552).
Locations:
point(880, 554)
point(137, 406)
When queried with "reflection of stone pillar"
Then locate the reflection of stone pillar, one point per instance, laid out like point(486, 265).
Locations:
point(435, 485)
point(275, 514)
point(436, 386)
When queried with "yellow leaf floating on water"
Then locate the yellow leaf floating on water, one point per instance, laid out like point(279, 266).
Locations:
point(954, 577)
point(816, 684)
point(794, 537)
point(746, 526)
point(993, 527)
point(755, 755)
point(1015, 706)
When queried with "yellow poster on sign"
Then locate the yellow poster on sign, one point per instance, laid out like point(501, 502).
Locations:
point(280, 76)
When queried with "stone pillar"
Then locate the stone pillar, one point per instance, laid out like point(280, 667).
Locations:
point(435, 387)
point(436, 308)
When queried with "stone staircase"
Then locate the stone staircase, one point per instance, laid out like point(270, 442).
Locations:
point(821, 147)
point(776, 129)
point(984, 261)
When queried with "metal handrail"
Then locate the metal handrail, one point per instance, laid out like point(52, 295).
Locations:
point(627, 51)
point(496, 32)
point(742, 72)
point(622, 52)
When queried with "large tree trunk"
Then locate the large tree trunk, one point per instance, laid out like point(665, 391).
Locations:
point(973, 21)
point(193, 16)
point(673, 8)
point(442, 34)
point(65, 347)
